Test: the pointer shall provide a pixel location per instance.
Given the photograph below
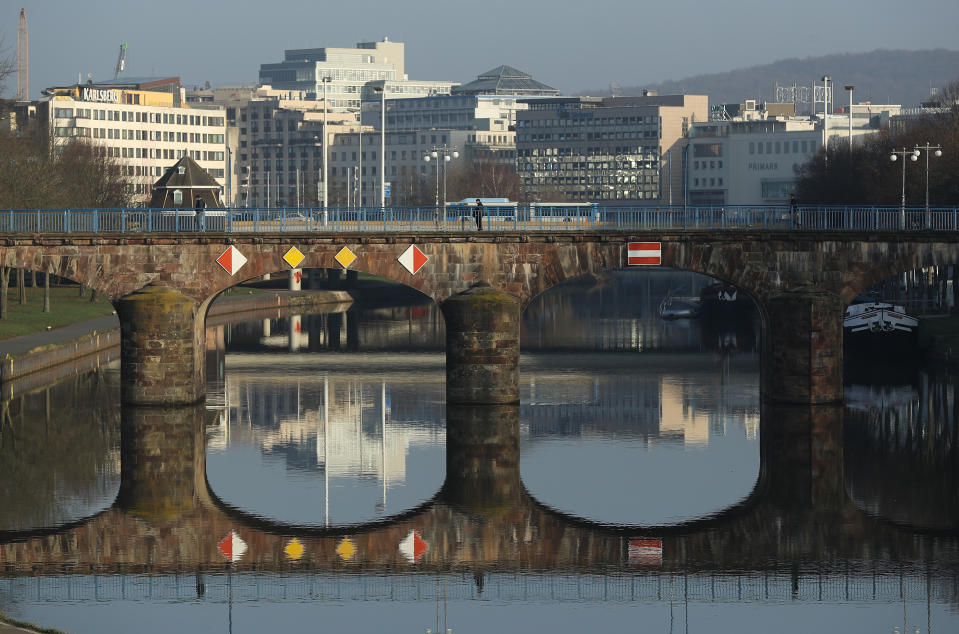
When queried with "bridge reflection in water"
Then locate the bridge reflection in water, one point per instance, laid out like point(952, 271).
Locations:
point(797, 536)
point(854, 505)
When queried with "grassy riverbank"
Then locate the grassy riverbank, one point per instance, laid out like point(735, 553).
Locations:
point(66, 307)
point(28, 626)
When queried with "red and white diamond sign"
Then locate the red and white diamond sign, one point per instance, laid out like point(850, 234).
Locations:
point(413, 259)
point(232, 547)
point(231, 260)
point(644, 254)
point(413, 547)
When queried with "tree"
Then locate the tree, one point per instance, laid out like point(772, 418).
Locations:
point(486, 179)
point(867, 176)
point(7, 67)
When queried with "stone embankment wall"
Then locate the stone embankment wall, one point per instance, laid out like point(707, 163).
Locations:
point(108, 342)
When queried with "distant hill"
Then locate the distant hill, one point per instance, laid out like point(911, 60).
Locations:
point(881, 76)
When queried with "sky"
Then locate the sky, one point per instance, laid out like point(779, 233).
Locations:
point(573, 46)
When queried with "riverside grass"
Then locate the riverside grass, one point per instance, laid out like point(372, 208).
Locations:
point(66, 307)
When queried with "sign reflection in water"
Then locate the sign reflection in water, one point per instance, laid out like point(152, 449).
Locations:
point(821, 536)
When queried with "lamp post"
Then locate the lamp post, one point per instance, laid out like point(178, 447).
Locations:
point(447, 153)
point(850, 88)
point(894, 156)
point(326, 217)
point(381, 88)
point(825, 116)
point(937, 151)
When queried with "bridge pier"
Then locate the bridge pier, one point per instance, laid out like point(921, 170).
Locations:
point(161, 348)
point(162, 461)
point(482, 346)
point(803, 353)
point(482, 459)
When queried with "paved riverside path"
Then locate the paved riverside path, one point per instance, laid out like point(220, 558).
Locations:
point(19, 345)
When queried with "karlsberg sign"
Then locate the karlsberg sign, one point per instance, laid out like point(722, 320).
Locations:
point(97, 94)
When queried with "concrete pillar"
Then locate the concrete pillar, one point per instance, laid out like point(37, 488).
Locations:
point(482, 346)
point(161, 349)
point(162, 461)
point(802, 358)
point(296, 327)
point(332, 279)
point(334, 326)
point(482, 459)
point(351, 278)
point(296, 279)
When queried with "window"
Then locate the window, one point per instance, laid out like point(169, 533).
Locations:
point(177, 196)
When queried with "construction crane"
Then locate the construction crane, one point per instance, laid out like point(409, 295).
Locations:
point(121, 62)
point(23, 61)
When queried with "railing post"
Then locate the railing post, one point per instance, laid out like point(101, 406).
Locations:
point(96, 221)
point(123, 220)
point(38, 221)
point(149, 221)
point(176, 220)
point(229, 219)
point(66, 221)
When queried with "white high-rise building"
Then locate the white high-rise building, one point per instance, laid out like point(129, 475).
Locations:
point(347, 72)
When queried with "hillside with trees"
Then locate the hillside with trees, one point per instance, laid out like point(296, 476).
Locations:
point(881, 76)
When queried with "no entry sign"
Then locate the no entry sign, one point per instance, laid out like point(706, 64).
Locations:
point(644, 254)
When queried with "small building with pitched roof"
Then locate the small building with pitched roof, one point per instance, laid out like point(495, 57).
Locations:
point(182, 184)
point(505, 80)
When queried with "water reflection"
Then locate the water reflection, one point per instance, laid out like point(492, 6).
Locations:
point(59, 452)
point(362, 502)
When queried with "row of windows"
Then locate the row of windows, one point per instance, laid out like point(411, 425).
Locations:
point(708, 165)
point(713, 181)
point(590, 136)
point(782, 147)
point(145, 135)
point(651, 120)
point(648, 151)
point(137, 116)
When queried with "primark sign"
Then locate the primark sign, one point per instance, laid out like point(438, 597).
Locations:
point(97, 94)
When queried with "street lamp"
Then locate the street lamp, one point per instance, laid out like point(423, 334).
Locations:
point(938, 152)
point(850, 88)
point(448, 153)
point(381, 88)
point(326, 216)
point(894, 156)
point(825, 115)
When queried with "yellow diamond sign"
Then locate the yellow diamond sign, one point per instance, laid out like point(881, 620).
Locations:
point(294, 549)
point(346, 548)
point(293, 257)
point(345, 257)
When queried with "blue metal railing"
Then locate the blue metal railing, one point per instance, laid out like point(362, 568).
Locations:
point(496, 218)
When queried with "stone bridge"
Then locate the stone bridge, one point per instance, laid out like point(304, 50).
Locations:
point(799, 517)
point(162, 286)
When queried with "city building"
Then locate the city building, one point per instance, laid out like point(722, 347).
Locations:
point(347, 73)
point(142, 124)
point(410, 177)
point(505, 80)
point(609, 150)
point(751, 154)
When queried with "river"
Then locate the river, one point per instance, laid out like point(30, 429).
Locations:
point(640, 485)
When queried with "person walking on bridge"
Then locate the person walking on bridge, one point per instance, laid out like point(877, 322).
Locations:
point(200, 208)
point(478, 214)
